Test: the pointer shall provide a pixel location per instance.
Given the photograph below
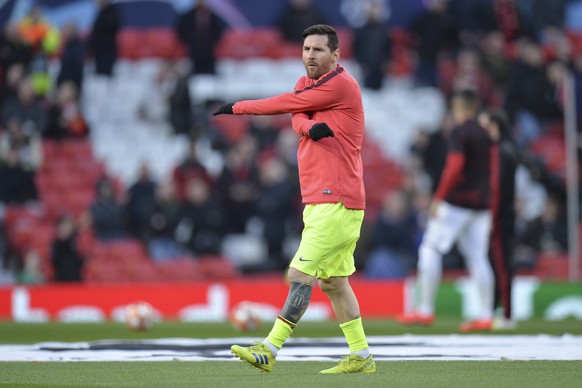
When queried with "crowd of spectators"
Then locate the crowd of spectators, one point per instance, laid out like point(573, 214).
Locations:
point(36, 106)
point(188, 213)
point(514, 60)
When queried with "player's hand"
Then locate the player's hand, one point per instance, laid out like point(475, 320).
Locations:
point(225, 109)
point(319, 131)
point(433, 208)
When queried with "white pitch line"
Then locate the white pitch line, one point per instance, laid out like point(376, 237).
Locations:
point(384, 348)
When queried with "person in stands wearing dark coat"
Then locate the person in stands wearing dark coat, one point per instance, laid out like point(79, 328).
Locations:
point(200, 30)
point(72, 58)
point(103, 39)
point(66, 259)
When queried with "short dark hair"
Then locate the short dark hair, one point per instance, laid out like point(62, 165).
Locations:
point(469, 98)
point(323, 29)
point(500, 118)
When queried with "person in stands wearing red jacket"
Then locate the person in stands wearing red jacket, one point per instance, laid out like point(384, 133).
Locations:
point(328, 115)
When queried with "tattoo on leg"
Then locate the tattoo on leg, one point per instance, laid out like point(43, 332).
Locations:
point(297, 301)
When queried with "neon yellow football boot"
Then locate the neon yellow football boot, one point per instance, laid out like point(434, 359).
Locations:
point(257, 355)
point(352, 364)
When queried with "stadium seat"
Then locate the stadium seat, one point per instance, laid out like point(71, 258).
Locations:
point(143, 271)
point(232, 128)
point(128, 42)
point(258, 42)
point(217, 267)
point(552, 266)
point(127, 250)
point(551, 148)
point(161, 43)
point(181, 269)
point(244, 250)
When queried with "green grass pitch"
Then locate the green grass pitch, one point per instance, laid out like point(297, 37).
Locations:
point(514, 374)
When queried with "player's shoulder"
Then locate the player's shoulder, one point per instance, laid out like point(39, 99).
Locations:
point(302, 83)
point(470, 127)
point(470, 131)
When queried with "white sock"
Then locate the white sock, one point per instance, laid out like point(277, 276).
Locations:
point(363, 353)
point(272, 348)
point(429, 277)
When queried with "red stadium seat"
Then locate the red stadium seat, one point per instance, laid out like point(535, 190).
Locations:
point(552, 266)
point(232, 128)
point(217, 267)
point(128, 41)
point(77, 150)
point(127, 250)
point(345, 37)
point(182, 269)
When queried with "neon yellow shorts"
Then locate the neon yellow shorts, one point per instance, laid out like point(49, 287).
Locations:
point(328, 240)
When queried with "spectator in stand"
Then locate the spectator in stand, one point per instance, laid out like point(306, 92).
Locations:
point(238, 184)
point(25, 108)
point(265, 131)
point(14, 76)
point(540, 15)
point(431, 148)
point(106, 213)
point(296, 17)
point(202, 220)
point(14, 50)
point(546, 234)
point(45, 41)
point(18, 186)
point(393, 239)
point(189, 169)
point(65, 119)
point(38, 32)
point(435, 31)
point(372, 47)
point(200, 30)
point(141, 203)
point(181, 112)
point(103, 37)
point(163, 222)
point(66, 259)
point(153, 106)
point(72, 57)
point(31, 272)
point(25, 142)
point(468, 75)
point(494, 59)
point(557, 46)
point(531, 98)
point(286, 147)
point(274, 208)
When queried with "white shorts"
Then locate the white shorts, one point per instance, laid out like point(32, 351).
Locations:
point(469, 228)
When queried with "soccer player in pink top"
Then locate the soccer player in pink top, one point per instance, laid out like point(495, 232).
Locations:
point(327, 113)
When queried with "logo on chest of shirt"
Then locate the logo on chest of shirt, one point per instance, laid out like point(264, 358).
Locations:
point(326, 192)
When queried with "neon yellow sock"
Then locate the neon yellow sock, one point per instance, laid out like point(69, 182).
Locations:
point(354, 333)
point(281, 330)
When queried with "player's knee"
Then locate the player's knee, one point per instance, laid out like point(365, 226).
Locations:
point(294, 275)
point(328, 286)
point(428, 256)
point(483, 267)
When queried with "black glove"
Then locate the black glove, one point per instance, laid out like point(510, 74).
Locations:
point(226, 109)
point(319, 131)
